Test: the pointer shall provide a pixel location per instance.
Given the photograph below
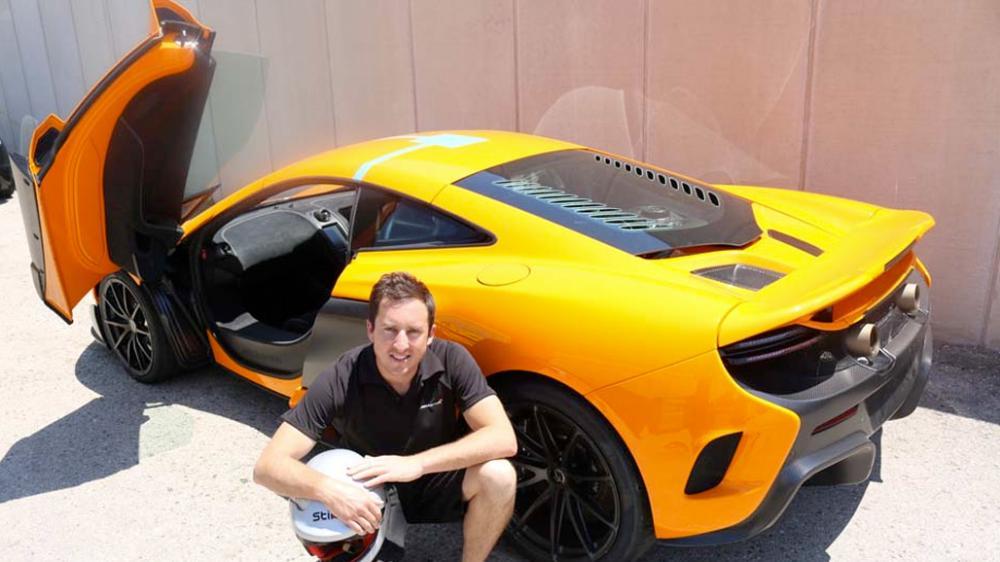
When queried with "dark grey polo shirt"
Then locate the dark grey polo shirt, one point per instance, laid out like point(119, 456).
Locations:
point(372, 419)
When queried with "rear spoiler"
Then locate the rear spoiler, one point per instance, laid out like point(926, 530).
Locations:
point(859, 258)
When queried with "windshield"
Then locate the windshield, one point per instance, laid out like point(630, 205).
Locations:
point(637, 209)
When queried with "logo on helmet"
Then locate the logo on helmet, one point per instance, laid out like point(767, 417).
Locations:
point(323, 516)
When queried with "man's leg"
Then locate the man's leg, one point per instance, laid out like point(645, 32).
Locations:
point(489, 488)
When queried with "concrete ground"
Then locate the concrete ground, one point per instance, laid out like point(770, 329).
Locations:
point(94, 466)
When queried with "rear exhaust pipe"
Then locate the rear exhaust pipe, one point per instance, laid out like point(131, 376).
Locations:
point(864, 341)
point(908, 299)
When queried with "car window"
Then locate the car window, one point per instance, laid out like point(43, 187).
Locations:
point(300, 192)
point(383, 219)
point(626, 204)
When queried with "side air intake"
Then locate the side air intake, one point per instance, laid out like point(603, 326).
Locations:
point(712, 463)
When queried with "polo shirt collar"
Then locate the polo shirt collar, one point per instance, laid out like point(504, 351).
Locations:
point(429, 366)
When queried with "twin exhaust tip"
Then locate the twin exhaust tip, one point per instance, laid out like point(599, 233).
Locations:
point(908, 299)
point(864, 341)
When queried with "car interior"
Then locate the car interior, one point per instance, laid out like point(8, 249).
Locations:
point(269, 271)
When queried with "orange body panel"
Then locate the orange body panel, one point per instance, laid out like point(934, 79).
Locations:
point(71, 210)
point(284, 387)
point(668, 416)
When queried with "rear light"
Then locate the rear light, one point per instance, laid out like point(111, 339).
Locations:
point(835, 420)
point(783, 361)
point(770, 345)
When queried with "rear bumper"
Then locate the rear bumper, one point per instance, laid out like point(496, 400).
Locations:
point(843, 453)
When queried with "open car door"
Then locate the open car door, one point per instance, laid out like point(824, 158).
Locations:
point(103, 190)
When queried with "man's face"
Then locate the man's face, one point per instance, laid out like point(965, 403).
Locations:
point(400, 337)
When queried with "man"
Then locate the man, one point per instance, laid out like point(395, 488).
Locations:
point(395, 401)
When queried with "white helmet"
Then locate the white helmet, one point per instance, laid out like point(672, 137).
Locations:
point(325, 536)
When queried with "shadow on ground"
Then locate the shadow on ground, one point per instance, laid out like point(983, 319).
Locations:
point(102, 437)
point(965, 381)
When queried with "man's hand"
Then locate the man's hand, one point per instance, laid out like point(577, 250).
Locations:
point(355, 506)
point(389, 468)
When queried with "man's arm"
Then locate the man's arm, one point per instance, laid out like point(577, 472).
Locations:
point(491, 437)
point(280, 470)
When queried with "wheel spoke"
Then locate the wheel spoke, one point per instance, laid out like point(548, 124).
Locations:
point(529, 458)
point(538, 474)
point(580, 527)
point(118, 342)
point(147, 353)
point(555, 522)
point(115, 324)
point(133, 353)
point(551, 449)
point(128, 351)
point(529, 444)
point(121, 299)
point(594, 510)
point(143, 332)
point(138, 362)
point(112, 299)
point(569, 445)
point(539, 501)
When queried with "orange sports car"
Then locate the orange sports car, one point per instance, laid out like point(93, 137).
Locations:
point(677, 357)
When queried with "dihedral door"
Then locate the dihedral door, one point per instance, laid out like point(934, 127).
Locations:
point(106, 186)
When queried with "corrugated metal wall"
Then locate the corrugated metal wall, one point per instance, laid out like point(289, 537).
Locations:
point(884, 101)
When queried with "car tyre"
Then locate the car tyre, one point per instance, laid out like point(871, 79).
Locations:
point(579, 494)
point(131, 329)
point(6, 185)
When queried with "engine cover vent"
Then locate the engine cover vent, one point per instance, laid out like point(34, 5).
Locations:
point(740, 275)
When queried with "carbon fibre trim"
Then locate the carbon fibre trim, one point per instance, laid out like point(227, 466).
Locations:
point(795, 242)
point(190, 347)
point(339, 326)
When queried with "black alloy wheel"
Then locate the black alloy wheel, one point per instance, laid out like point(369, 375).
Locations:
point(132, 331)
point(579, 497)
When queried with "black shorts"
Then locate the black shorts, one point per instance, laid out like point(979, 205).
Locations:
point(434, 498)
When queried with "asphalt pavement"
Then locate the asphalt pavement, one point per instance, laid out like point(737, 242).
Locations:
point(94, 466)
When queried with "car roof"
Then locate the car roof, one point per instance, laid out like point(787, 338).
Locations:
point(423, 163)
point(419, 165)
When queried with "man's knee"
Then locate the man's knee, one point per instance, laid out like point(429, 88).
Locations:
point(496, 479)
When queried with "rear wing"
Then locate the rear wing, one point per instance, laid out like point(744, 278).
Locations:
point(861, 257)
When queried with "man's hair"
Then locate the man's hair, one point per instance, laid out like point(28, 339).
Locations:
point(399, 286)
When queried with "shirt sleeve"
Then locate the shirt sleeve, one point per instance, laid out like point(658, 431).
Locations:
point(317, 409)
point(469, 383)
